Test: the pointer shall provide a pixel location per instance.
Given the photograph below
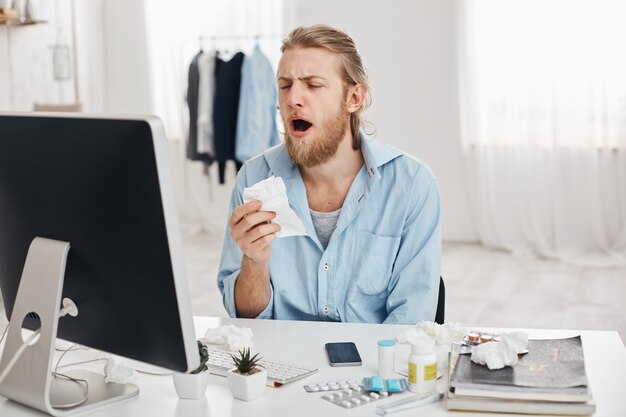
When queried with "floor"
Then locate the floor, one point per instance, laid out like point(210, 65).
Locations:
point(484, 287)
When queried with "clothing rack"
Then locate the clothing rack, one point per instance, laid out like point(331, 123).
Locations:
point(212, 38)
point(237, 37)
point(201, 39)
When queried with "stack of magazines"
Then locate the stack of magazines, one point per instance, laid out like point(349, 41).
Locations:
point(549, 379)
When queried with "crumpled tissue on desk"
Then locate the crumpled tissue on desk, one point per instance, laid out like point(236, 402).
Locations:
point(272, 194)
point(497, 355)
point(231, 337)
point(118, 373)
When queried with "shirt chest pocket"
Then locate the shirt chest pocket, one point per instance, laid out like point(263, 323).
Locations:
point(375, 256)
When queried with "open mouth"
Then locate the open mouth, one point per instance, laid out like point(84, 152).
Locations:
point(300, 125)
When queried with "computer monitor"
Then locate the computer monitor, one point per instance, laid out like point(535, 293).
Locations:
point(103, 184)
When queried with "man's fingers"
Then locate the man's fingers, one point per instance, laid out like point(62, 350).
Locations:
point(262, 230)
point(257, 239)
point(243, 211)
point(260, 244)
point(250, 221)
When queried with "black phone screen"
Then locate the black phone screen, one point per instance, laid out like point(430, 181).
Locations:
point(343, 354)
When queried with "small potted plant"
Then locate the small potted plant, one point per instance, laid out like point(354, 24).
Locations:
point(247, 379)
point(193, 385)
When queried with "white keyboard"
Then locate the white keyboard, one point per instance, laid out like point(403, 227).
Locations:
point(278, 373)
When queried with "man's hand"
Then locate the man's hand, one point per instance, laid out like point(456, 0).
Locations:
point(252, 231)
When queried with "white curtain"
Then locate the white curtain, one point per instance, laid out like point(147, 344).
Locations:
point(543, 108)
point(173, 36)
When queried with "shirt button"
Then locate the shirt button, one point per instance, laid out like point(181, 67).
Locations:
point(326, 267)
point(325, 309)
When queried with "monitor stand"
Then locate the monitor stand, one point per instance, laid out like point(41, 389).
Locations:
point(31, 382)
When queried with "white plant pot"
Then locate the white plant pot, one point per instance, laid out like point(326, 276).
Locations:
point(191, 386)
point(247, 387)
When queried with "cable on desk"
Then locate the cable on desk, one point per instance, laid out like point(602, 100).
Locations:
point(78, 381)
point(68, 308)
point(153, 373)
point(4, 333)
point(18, 353)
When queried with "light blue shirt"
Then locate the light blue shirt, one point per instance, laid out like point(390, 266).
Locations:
point(382, 262)
point(256, 116)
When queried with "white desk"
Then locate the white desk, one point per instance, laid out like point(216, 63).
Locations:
point(303, 342)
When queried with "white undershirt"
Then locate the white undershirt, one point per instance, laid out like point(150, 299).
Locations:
point(325, 224)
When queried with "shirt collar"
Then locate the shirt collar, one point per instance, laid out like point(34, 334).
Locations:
point(376, 154)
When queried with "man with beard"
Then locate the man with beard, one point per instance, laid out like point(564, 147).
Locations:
point(371, 212)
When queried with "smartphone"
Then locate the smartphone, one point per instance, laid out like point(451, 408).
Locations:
point(343, 354)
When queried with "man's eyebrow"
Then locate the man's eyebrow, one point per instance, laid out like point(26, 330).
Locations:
point(307, 78)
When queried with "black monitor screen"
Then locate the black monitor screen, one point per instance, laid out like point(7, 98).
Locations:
point(95, 183)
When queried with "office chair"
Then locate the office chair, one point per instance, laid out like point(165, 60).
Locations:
point(441, 303)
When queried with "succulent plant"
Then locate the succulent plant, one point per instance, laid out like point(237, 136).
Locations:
point(245, 364)
point(204, 357)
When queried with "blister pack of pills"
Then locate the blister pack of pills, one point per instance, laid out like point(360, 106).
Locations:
point(376, 383)
point(350, 398)
point(332, 386)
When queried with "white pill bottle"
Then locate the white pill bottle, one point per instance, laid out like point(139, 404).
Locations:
point(423, 366)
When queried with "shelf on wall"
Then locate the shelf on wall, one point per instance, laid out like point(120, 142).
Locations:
point(17, 22)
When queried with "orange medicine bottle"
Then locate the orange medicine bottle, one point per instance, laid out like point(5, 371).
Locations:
point(423, 366)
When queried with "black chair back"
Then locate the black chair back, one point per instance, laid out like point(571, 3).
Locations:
point(441, 303)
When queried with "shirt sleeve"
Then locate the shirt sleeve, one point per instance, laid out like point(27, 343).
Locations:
point(230, 263)
point(414, 284)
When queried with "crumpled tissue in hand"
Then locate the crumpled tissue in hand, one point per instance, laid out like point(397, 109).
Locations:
point(273, 197)
point(497, 355)
point(232, 337)
point(443, 335)
point(118, 373)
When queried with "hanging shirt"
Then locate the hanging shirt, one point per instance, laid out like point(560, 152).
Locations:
point(382, 262)
point(225, 107)
point(193, 80)
point(206, 93)
point(258, 98)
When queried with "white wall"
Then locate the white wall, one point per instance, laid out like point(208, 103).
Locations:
point(409, 50)
point(126, 51)
point(90, 41)
point(111, 53)
point(26, 74)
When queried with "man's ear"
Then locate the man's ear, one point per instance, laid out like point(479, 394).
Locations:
point(355, 97)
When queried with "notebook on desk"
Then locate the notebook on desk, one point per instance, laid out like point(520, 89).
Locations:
point(550, 379)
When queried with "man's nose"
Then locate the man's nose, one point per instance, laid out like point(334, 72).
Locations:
point(295, 97)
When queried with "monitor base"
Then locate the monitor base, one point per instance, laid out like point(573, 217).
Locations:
point(30, 382)
point(64, 392)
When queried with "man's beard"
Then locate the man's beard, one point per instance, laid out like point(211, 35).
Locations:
point(322, 149)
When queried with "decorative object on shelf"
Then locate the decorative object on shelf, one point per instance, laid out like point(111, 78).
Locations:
point(9, 15)
point(192, 386)
point(18, 13)
point(64, 66)
point(61, 59)
point(247, 379)
point(24, 9)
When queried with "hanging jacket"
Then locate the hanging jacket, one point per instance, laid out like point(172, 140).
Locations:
point(256, 121)
point(225, 107)
point(206, 93)
point(193, 80)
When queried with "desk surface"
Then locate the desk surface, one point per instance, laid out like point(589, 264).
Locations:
point(303, 342)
